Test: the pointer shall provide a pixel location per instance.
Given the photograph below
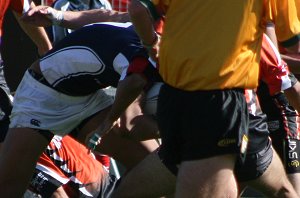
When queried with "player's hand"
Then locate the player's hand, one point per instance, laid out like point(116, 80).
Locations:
point(153, 49)
point(94, 138)
point(42, 16)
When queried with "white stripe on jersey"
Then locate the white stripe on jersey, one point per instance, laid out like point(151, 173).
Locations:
point(286, 81)
point(117, 24)
point(70, 62)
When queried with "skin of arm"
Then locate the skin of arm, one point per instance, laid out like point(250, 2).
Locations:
point(142, 21)
point(74, 20)
point(37, 34)
point(39, 16)
point(293, 96)
point(127, 92)
point(292, 58)
point(293, 63)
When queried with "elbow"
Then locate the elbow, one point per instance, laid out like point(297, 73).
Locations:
point(135, 9)
point(295, 49)
point(137, 81)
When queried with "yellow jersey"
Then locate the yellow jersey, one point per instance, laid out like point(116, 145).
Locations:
point(209, 45)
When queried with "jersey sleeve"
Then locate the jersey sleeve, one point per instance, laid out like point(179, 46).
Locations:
point(146, 68)
point(20, 6)
point(285, 14)
point(273, 70)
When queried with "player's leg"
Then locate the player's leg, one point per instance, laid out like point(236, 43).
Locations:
point(273, 182)
point(125, 150)
point(18, 156)
point(202, 133)
point(46, 185)
point(295, 181)
point(210, 177)
point(150, 178)
point(291, 152)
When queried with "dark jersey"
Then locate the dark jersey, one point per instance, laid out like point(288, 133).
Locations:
point(94, 57)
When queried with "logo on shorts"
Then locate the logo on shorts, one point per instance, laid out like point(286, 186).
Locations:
point(35, 122)
point(244, 144)
point(226, 142)
point(294, 163)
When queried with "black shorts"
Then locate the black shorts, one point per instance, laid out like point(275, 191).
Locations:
point(258, 133)
point(43, 184)
point(201, 124)
point(286, 143)
point(284, 126)
point(254, 165)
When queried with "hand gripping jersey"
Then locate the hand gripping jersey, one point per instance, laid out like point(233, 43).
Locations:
point(94, 57)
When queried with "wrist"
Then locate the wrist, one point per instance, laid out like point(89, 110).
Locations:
point(153, 43)
point(56, 16)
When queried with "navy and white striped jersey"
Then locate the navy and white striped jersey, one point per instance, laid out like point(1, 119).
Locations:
point(93, 57)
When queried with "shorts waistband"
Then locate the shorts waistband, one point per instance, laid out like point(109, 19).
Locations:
point(39, 77)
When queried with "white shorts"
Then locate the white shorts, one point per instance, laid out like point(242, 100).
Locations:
point(41, 107)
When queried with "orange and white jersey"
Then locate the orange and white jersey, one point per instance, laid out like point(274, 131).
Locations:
point(273, 70)
point(66, 160)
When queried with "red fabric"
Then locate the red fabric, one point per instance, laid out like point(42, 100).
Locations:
point(103, 159)
point(138, 65)
point(120, 5)
point(76, 160)
point(16, 5)
point(273, 70)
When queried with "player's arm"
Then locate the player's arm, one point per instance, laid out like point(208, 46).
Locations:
point(293, 62)
point(285, 15)
point(143, 21)
point(144, 16)
point(127, 91)
point(293, 95)
point(292, 59)
point(37, 34)
point(46, 16)
point(140, 75)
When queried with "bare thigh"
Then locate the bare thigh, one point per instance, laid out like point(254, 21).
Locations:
point(274, 181)
point(127, 151)
point(18, 156)
point(210, 177)
point(150, 178)
point(295, 180)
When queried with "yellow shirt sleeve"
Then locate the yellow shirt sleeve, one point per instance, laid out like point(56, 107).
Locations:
point(285, 14)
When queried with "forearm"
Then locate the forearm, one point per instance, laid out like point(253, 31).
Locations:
point(74, 20)
point(37, 34)
point(293, 63)
point(142, 21)
point(293, 96)
point(127, 91)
